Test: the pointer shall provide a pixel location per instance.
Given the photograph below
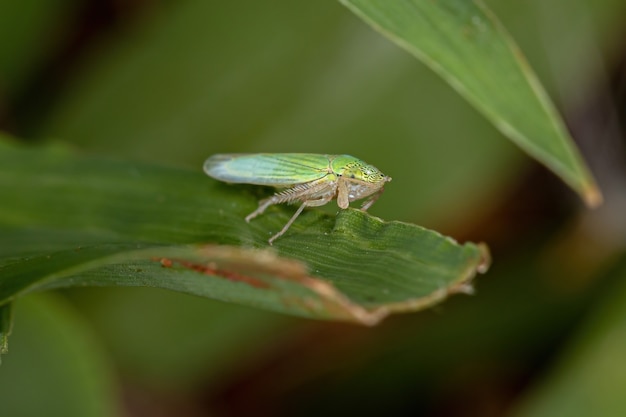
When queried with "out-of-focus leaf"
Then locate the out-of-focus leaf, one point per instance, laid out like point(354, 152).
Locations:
point(130, 322)
point(6, 323)
point(569, 67)
point(591, 376)
point(30, 30)
point(54, 367)
point(464, 43)
point(69, 221)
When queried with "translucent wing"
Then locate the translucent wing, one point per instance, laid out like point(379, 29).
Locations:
point(274, 169)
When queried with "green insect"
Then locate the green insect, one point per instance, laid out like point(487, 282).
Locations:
point(308, 178)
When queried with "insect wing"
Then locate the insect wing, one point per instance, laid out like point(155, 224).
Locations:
point(273, 169)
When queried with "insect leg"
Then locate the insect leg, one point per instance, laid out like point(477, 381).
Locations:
point(284, 229)
point(310, 203)
point(283, 197)
point(343, 198)
point(263, 204)
point(368, 203)
point(309, 191)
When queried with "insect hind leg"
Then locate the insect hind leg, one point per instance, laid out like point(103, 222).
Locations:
point(284, 229)
point(309, 203)
point(286, 196)
point(263, 204)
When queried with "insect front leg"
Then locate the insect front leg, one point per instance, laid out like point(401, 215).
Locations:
point(343, 195)
point(368, 203)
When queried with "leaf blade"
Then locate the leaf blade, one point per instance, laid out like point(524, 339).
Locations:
point(78, 220)
point(6, 324)
point(467, 46)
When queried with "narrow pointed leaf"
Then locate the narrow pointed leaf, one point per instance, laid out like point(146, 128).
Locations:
point(56, 366)
point(465, 44)
point(6, 322)
point(74, 220)
point(590, 376)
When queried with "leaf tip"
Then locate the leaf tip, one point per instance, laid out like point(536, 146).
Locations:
point(592, 196)
point(485, 258)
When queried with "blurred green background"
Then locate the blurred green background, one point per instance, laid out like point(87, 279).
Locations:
point(174, 82)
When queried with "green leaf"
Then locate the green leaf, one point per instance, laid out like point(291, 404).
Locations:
point(214, 334)
point(55, 367)
point(24, 27)
point(6, 323)
point(73, 221)
point(590, 376)
point(467, 46)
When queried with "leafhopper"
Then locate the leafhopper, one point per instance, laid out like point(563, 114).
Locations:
point(310, 179)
